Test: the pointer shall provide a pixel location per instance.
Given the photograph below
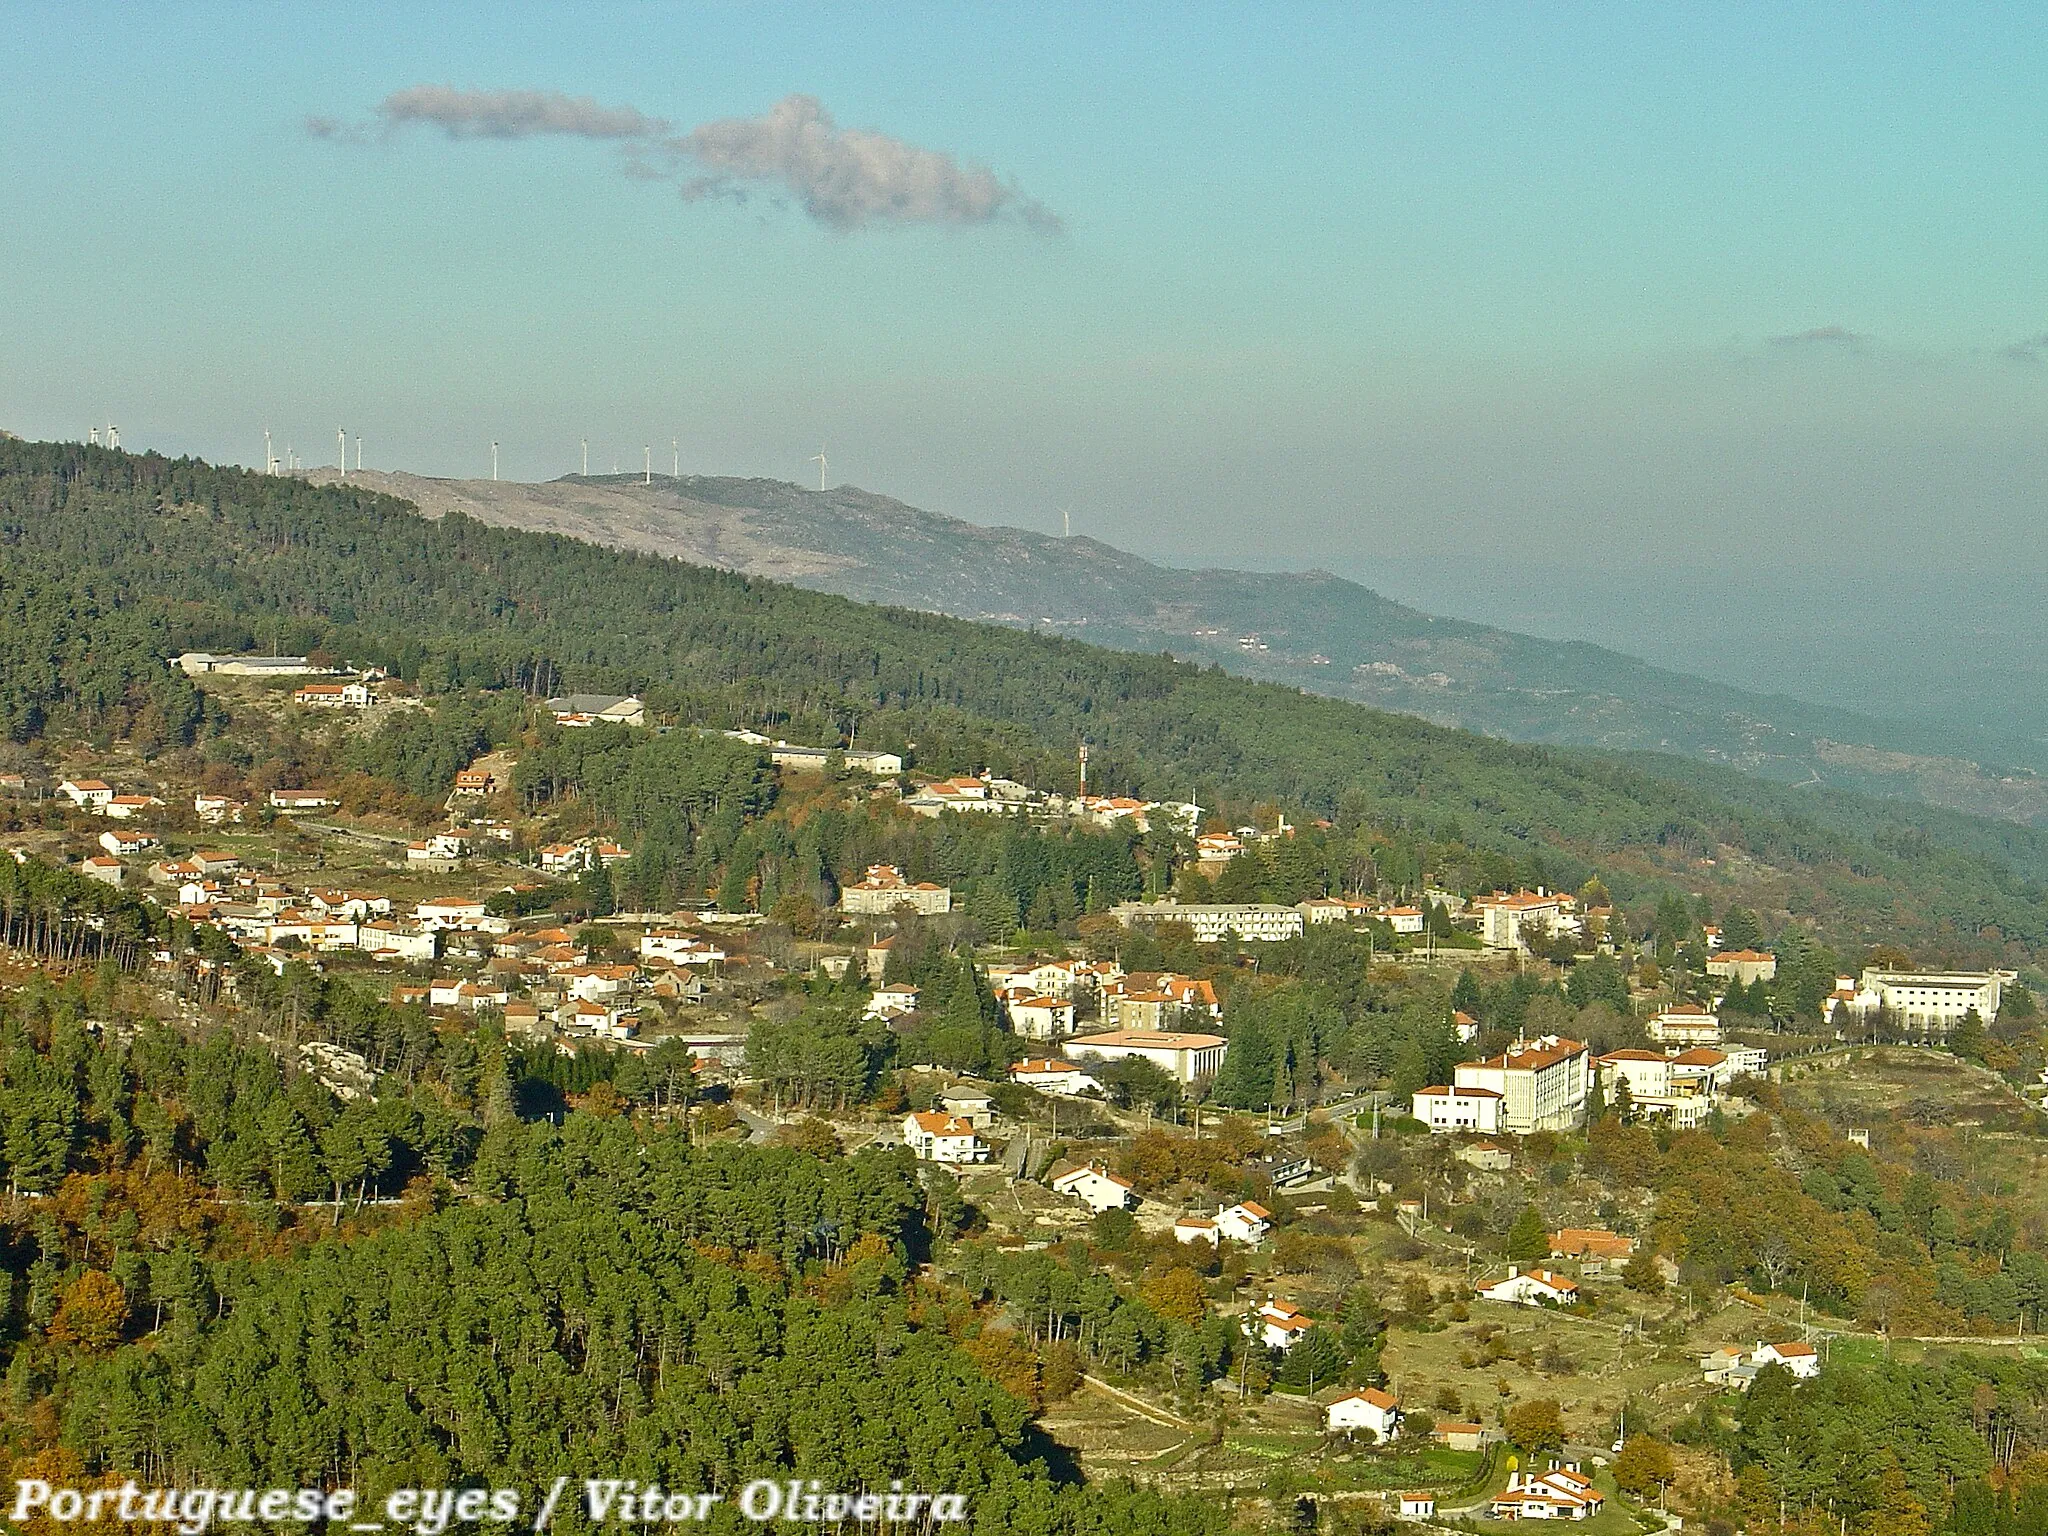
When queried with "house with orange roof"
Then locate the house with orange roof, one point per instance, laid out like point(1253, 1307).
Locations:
point(941, 1138)
point(1097, 1188)
point(1531, 1288)
point(1370, 1410)
point(1281, 1323)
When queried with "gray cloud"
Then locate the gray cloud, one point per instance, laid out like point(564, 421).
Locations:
point(847, 177)
point(513, 114)
point(843, 178)
point(2033, 350)
point(1825, 335)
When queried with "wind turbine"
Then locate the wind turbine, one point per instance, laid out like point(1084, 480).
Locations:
point(359, 453)
point(675, 453)
point(113, 435)
point(1066, 522)
point(586, 456)
point(647, 463)
point(92, 436)
point(341, 452)
point(494, 458)
point(820, 460)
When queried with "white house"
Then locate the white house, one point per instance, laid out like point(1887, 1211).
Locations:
point(1040, 1018)
point(108, 871)
point(126, 842)
point(122, 807)
point(388, 939)
point(1802, 1360)
point(1531, 1288)
point(1562, 1493)
point(1511, 921)
point(1050, 1075)
point(892, 1001)
point(1097, 1188)
point(938, 1138)
point(86, 792)
point(1445, 1109)
point(1244, 1222)
point(457, 912)
point(1418, 1506)
point(1280, 1323)
point(300, 800)
point(1371, 1410)
point(215, 809)
point(1195, 1229)
point(335, 696)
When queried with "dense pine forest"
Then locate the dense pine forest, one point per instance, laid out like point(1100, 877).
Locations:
point(116, 562)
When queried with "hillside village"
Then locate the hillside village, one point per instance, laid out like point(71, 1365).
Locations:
point(1335, 1225)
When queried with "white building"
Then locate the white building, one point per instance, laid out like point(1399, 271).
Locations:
point(199, 663)
point(1195, 1229)
point(1447, 1109)
point(91, 793)
point(1562, 1493)
point(1742, 966)
point(1376, 1412)
point(1934, 1002)
point(128, 843)
point(1542, 1083)
point(300, 800)
point(1802, 1360)
point(1186, 1056)
point(587, 709)
point(1097, 1188)
point(1280, 1323)
point(883, 889)
point(1511, 921)
point(335, 696)
point(1039, 1018)
point(1244, 1222)
point(1051, 1075)
point(1686, 1024)
point(938, 1138)
point(1531, 1288)
point(1214, 922)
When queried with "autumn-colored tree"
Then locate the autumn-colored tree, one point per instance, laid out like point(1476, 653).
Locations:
point(93, 1312)
point(1643, 1466)
point(810, 1135)
point(1007, 1359)
point(1756, 1500)
point(1537, 1425)
point(1896, 1512)
point(1177, 1295)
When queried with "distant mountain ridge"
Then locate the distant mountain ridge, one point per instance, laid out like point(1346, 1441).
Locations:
point(1317, 631)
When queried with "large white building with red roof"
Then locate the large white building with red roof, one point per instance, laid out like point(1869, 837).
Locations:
point(1542, 1083)
point(1444, 1109)
point(883, 889)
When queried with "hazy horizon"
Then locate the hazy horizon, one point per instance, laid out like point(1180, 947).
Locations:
point(1717, 338)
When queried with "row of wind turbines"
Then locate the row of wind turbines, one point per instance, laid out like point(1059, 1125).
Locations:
point(289, 464)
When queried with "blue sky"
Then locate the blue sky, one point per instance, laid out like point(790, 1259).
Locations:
point(1498, 308)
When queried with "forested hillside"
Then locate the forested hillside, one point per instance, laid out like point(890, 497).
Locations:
point(115, 562)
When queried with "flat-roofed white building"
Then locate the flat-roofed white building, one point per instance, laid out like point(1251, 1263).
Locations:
point(1445, 1109)
point(1934, 1002)
point(1186, 1056)
point(1214, 922)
